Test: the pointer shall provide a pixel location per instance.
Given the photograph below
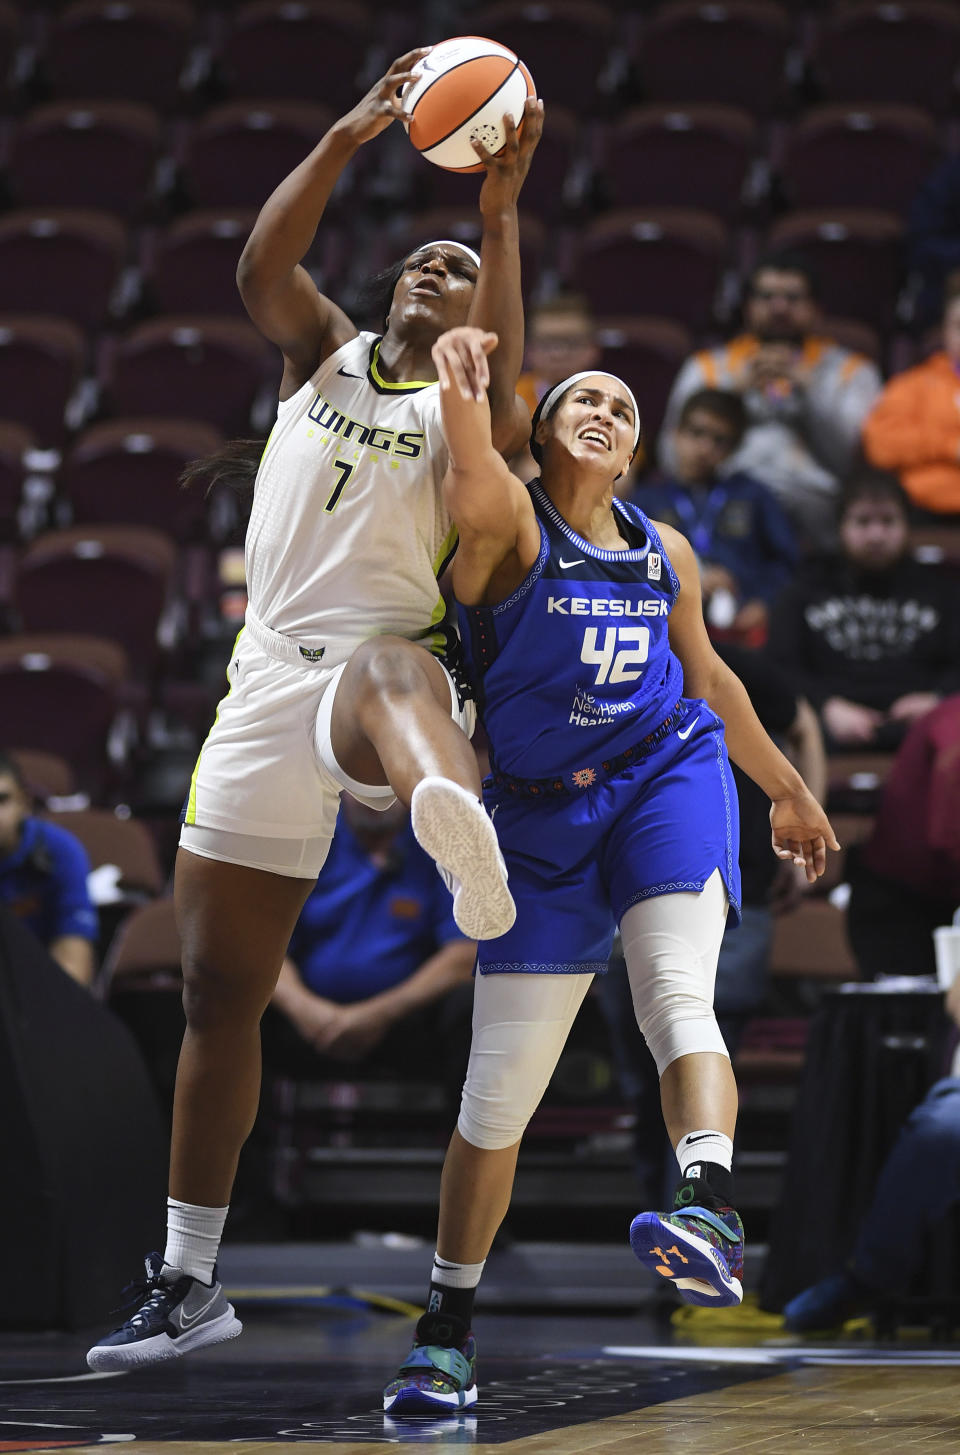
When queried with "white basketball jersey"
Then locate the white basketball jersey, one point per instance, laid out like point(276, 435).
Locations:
point(348, 530)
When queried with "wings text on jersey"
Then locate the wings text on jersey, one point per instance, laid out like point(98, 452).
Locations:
point(405, 444)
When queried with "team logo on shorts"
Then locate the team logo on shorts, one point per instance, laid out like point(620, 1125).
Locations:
point(584, 777)
point(312, 654)
point(654, 566)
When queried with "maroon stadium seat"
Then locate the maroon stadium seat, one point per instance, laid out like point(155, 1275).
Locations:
point(62, 261)
point(47, 775)
point(859, 156)
point(876, 51)
point(97, 49)
point(124, 842)
point(647, 353)
point(14, 443)
point(675, 156)
point(565, 43)
point(95, 154)
point(190, 367)
point(40, 364)
point(731, 54)
point(238, 153)
point(857, 255)
point(659, 260)
point(61, 694)
point(126, 471)
point(194, 263)
point(306, 51)
point(107, 581)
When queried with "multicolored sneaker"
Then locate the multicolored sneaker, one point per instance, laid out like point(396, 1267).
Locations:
point(700, 1250)
point(435, 1378)
point(174, 1314)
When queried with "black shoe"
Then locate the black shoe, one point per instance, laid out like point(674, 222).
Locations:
point(174, 1314)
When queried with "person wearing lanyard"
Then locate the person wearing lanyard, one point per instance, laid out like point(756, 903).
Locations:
point(739, 531)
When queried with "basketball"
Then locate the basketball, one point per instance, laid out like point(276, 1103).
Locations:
point(465, 86)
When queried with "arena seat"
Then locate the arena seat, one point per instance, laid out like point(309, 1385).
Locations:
point(733, 54)
point(859, 337)
point(62, 261)
point(40, 364)
point(192, 367)
point(857, 253)
point(137, 50)
point(810, 943)
point(123, 842)
point(47, 775)
point(9, 38)
point(906, 53)
point(108, 581)
point(673, 155)
point(62, 693)
point(272, 48)
point(15, 441)
point(126, 472)
point(96, 154)
point(647, 352)
point(193, 264)
point(863, 156)
point(566, 43)
point(664, 260)
point(236, 154)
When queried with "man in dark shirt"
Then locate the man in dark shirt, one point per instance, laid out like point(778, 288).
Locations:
point(871, 637)
point(741, 534)
point(43, 878)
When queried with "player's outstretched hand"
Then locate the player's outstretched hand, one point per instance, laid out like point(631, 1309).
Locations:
point(460, 358)
point(382, 103)
point(507, 170)
point(802, 832)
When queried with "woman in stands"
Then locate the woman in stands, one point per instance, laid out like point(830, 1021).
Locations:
point(609, 715)
point(338, 679)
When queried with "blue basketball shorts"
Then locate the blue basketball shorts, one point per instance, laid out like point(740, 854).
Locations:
point(578, 861)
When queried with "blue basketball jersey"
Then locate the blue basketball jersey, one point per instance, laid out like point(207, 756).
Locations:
point(575, 667)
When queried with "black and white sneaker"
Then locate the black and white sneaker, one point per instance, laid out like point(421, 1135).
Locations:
point(174, 1314)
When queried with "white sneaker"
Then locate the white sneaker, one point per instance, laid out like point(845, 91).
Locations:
point(456, 831)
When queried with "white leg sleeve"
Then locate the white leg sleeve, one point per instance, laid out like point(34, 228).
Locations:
point(671, 945)
point(520, 1026)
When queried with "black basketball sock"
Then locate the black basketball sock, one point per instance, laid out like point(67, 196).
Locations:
point(709, 1186)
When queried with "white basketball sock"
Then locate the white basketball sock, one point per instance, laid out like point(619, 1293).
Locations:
point(704, 1146)
point(193, 1237)
point(455, 1275)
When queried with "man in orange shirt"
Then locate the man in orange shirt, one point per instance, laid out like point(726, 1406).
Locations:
point(914, 428)
point(805, 395)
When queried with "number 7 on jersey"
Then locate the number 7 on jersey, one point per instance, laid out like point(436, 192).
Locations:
point(346, 470)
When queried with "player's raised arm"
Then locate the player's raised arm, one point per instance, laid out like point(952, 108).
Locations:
point(279, 294)
point(498, 301)
point(489, 505)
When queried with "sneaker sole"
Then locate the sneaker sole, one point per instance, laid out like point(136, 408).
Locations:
point(409, 1402)
point(691, 1263)
point(108, 1358)
point(453, 828)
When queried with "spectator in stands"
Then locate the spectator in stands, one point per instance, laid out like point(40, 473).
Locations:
point(869, 635)
point(805, 396)
point(43, 878)
point(377, 973)
point(905, 879)
point(561, 341)
point(744, 541)
point(918, 1185)
point(914, 427)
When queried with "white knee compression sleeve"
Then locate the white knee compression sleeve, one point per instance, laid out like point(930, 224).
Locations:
point(671, 945)
point(520, 1026)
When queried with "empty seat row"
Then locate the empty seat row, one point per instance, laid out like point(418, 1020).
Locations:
point(741, 52)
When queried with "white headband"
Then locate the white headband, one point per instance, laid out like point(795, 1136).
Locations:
point(565, 384)
point(449, 242)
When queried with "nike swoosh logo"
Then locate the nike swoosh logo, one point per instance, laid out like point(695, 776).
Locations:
point(188, 1320)
point(565, 565)
point(346, 375)
point(703, 1135)
point(684, 733)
